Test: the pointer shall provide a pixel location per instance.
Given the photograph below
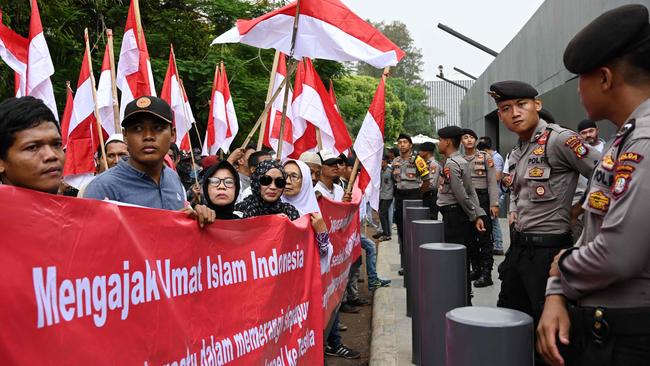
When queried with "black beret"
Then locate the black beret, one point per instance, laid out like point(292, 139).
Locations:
point(585, 124)
point(546, 115)
point(404, 136)
point(450, 132)
point(512, 89)
point(467, 131)
point(428, 146)
point(612, 34)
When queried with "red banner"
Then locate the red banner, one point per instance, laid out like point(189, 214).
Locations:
point(342, 219)
point(89, 282)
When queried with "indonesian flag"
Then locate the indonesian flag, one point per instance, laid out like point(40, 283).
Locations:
point(105, 96)
point(13, 51)
point(134, 75)
point(82, 139)
point(369, 147)
point(274, 118)
point(39, 63)
point(222, 121)
point(174, 94)
point(67, 114)
point(333, 95)
point(327, 29)
point(312, 103)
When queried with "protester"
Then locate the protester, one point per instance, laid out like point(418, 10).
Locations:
point(31, 151)
point(590, 133)
point(220, 190)
point(115, 151)
point(254, 159)
point(243, 168)
point(329, 174)
point(144, 179)
point(385, 199)
point(314, 163)
point(174, 154)
point(267, 185)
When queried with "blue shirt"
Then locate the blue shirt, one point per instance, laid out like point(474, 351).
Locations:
point(498, 161)
point(124, 183)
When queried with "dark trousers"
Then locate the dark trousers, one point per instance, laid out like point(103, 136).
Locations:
point(400, 196)
point(480, 251)
point(384, 206)
point(429, 199)
point(458, 230)
point(629, 345)
point(334, 338)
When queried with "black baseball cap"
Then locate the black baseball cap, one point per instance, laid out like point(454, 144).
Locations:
point(147, 106)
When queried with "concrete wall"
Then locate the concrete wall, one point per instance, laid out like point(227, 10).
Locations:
point(534, 55)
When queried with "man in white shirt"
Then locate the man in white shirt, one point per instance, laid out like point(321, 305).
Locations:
point(329, 173)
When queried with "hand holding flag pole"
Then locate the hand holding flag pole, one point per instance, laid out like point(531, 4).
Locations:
point(100, 130)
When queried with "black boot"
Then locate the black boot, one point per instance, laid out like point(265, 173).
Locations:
point(484, 280)
point(474, 274)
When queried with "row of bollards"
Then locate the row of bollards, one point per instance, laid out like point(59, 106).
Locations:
point(446, 332)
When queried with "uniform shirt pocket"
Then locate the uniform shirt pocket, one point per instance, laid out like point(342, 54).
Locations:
point(538, 184)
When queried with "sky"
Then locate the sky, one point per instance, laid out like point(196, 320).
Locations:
point(491, 23)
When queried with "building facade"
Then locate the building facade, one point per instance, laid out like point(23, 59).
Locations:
point(446, 97)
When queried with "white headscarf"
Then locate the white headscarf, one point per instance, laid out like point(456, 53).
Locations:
point(305, 201)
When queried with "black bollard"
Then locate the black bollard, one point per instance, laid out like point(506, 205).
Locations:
point(424, 231)
point(411, 214)
point(442, 288)
point(405, 204)
point(498, 336)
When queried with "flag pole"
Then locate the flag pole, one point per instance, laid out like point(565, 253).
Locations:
point(355, 167)
point(138, 21)
point(111, 60)
point(292, 68)
point(94, 90)
point(286, 91)
point(269, 93)
point(182, 92)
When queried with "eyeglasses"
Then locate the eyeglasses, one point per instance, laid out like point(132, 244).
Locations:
point(266, 180)
point(294, 177)
point(227, 182)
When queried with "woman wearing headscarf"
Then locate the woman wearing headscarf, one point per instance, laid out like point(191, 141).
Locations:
point(300, 193)
point(267, 186)
point(220, 190)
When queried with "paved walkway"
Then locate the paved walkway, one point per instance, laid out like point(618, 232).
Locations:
point(391, 329)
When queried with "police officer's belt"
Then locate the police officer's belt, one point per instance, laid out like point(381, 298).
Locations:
point(431, 192)
point(406, 192)
point(520, 239)
point(482, 191)
point(449, 208)
point(602, 322)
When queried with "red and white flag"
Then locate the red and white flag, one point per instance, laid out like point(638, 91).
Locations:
point(222, 121)
point(105, 96)
point(312, 103)
point(39, 63)
point(341, 35)
point(274, 117)
point(174, 94)
point(13, 51)
point(369, 147)
point(134, 75)
point(67, 114)
point(82, 139)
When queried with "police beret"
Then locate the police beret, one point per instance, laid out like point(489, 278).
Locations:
point(450, 132)
point(612, 34)
point(428, 146)
point(404, 136)
point(585, 124)
point(467, 131)
point(512, 89)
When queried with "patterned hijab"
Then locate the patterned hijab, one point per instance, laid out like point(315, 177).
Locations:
point(254, 205)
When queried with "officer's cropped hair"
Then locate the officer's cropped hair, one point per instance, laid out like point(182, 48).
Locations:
point(455, 141)
point(487, 141)
point(635, 66)
point(254, 159)
point(18, 114)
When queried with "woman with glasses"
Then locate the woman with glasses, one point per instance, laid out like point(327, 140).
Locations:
point(267, 185)
point(220, 190)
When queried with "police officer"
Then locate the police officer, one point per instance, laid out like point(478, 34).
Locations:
point(456, 195)
point(545, 165)
point(430, 196)
point(411, 177)
point(606, 277)
point(484, 179)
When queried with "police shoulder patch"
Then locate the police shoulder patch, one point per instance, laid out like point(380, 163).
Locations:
point(630, 156)
point(621, 184)
point(490, 162)
point(576, 144)
point(607, 162)
point(598, 200)
point(447, 172)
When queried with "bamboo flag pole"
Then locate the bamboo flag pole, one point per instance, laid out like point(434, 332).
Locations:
point(116, 103)
point(182, 96)
point(94, 90)
point(355, 167)
point(138, 22)
point(269, 93)
point(292, 68)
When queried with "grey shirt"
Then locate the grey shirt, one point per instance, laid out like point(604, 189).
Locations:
point(545, 173)
point(610, 264)
point(124, 183)
point(456, 187)
point(434, 170)
point(386, 190)
point(482, 170)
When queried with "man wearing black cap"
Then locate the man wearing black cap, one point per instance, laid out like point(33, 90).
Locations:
point(411, 176)
point(484, 179)
point(144, 179)
point(430, 196)
point(606, 276)
point(545, 165)
point(456, 195)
